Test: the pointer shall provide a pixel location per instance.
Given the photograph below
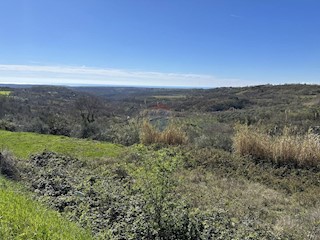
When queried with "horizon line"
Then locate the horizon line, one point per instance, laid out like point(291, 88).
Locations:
point(2, 84)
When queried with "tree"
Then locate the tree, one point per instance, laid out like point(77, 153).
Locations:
point(89, 107)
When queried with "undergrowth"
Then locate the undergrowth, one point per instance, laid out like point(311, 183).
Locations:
point(281, 198)
point(136, 198)
point(22, 218)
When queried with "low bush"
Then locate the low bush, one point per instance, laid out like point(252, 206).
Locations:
point(126, 133)
point(8, 165)
point(135, 199)
point(35, 125)
point(7, 125)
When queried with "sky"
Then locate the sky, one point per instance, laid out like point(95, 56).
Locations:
point(174, 43)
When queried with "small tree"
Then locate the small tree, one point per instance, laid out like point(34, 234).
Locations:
point(88, 107)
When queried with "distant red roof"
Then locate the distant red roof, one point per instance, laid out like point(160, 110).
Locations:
point(160, 106)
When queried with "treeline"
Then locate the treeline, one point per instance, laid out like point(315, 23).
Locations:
point(117, 114)
point(61, 111)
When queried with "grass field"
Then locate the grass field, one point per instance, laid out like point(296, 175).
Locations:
point(170, 96)
point(23, 218)
point(6, 93)
point(23, 144)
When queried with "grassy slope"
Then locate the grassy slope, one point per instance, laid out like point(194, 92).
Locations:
point(23, 144)
point(23, 218)
point(6, 93)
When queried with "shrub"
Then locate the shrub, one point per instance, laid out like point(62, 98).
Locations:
point(89, 130)
point(7, 125)
point(165, 214)
point(8, 165)
point(125, 133)
point(35, 125)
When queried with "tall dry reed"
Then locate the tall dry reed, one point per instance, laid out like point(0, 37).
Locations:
point(298, 150)
point(172, 135)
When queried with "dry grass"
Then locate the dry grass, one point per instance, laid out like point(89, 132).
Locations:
point(8, 165)
point(305, 225)
point(249, 142)
point(298, 150)
point(172, 135)
point(148, 133)
point(289, 216)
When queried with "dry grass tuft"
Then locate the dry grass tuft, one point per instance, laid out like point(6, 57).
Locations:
point(8, 165)
point(148, 133)
point(249, 142)
point(298, 150)
point(172, 135)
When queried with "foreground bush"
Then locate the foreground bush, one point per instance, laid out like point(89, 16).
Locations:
point(296, 150)
point(134, 199)
point(172, 135)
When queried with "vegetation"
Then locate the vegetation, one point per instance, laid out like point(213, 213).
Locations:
point(23, 218)
point(285, 149)
point(5, 93)
point(8, 165)
point(24, 144)
point(116, 114)
point(226, 163)
point(172, 135)
point(137, 199)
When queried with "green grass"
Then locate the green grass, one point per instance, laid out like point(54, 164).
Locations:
point(5, 93)
point(23, 144)
point(170, 96)
point(22, 218)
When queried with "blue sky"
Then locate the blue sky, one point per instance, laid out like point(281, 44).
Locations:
point(191, 43)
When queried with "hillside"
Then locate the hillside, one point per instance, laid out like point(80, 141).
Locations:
point(23, 144)
point(227, 163)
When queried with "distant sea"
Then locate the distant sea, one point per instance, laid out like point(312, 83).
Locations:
point(97, 85)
